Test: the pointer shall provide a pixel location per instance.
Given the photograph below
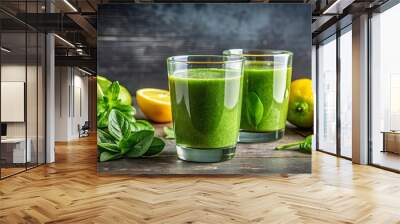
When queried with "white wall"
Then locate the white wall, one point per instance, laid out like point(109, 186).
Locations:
point(33, 126)
point(62, 82)
point(70, 109)
point(80, 97)
point(12, 73)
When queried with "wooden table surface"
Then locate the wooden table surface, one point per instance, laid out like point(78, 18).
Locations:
point(254, 159)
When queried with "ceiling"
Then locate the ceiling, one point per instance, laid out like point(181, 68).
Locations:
point(75, 20)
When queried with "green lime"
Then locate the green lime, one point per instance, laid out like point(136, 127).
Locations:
point(100, 93)
point(124, 95)
point(104, 83)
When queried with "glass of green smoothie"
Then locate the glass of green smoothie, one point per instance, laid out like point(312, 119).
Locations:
point(267, 78)
point(206, 99)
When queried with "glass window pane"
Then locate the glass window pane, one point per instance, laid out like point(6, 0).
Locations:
point(385, 90)
point(32, 87)
point(346, 94)
point(41, 98)
point(14, 153)
point(22, 88)
point(327, 97)
point(31, 97)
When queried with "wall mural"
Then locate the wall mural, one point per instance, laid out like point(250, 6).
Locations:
point(204, 89)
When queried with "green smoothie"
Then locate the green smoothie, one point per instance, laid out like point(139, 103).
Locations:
point(265, 96)
point(206, 107)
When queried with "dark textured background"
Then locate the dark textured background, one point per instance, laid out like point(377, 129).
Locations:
point(135, 40)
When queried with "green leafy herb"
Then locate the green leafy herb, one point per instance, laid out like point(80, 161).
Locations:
point(140, 125)
point(104, 137)
point(102, 116)
point(303, 146)
point(113, 91)
point(105, 156)
point(109, 147)
point(138, 143)
point(169, 133)
point(127, 110)
point(108, 101)
point(157, 145)
point(118, 125)
point(119, 134)
point(254, 109)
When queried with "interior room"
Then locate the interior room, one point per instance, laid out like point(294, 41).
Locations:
point(385, 109)
point(334, 55)
point(23, 98)
point(50, 156)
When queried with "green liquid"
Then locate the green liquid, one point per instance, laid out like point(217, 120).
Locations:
point(206, 107)
point(271, 86)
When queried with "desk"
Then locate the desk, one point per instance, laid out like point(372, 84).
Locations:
point(15, 148)
point(391, 141)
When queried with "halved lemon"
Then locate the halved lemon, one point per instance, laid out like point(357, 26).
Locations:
point(155, 104)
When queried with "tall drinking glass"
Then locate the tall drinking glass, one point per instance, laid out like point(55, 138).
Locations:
point(206, 99)
point(267, 78)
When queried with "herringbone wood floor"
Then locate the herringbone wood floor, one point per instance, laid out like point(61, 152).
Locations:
point(70, 191)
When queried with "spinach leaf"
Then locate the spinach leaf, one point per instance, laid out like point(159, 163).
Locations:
point(157, 145)
point(169, 133)
point(137, 143)
point(109, 147)
point(105, 156)
point(254, 109)
point(118, 125)
point(104, 137)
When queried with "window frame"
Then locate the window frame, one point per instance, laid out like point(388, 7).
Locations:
point(333, 37)
point(381, 9)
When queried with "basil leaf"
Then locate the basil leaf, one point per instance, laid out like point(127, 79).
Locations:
point(127, 110)
point(141, 125)
point(169, 133)
point(254, 109)
point(137, 143)
point(104, 137)
point(118, 125)
point(109, 147)
point(157, 145)
point(102, 120)
point(112, 91)
point(102, 106)
point(105, 156)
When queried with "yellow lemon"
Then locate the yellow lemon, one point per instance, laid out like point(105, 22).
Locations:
point(155, 104)
point(301, 103)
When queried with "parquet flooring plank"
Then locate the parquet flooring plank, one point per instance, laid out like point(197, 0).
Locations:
point(70, 191)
